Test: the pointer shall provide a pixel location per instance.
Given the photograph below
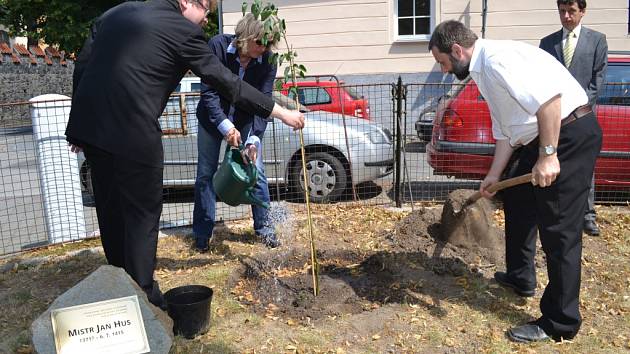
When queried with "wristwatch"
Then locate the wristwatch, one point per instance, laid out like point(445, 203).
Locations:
point(547, 150)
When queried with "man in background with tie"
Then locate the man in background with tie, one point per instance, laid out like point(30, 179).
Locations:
point(584, 52)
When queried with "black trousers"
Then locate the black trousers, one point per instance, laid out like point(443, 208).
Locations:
point(128, 197)
point(557, 213)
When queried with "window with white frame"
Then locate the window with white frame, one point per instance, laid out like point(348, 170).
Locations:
point(413, 19)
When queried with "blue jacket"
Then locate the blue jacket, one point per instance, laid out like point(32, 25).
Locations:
point(213, 108)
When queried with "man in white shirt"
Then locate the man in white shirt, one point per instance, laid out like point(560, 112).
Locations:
point(542, 124)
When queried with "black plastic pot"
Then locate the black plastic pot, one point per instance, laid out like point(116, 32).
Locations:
point(189, 307)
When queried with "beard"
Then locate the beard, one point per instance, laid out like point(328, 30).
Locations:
point(459, 68)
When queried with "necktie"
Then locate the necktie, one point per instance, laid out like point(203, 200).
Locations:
point(569, 47)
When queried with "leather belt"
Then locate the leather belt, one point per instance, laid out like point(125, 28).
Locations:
point(576, 114)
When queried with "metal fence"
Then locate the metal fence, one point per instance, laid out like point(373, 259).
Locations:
point(45, 190)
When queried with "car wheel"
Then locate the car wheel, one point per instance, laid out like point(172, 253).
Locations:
point(326, 175)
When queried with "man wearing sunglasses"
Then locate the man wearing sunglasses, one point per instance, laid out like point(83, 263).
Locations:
point(133, 58)
point(245, 54)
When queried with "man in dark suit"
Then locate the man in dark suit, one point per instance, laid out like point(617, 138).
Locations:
point(584, 53)
point(134, 57)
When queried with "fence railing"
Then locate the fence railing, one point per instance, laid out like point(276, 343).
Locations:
point(421, 141)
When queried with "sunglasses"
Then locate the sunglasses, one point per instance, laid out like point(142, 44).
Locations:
point(206, 9)
point(260, 42)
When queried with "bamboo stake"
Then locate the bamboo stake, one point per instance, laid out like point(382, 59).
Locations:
point(314, 261)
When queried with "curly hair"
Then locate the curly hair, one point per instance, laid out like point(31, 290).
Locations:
point(450, 32)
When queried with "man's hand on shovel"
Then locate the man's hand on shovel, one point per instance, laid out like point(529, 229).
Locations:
point(490, 185)
point(545, 171)
point(487, 182)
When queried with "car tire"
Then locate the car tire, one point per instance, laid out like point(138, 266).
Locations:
point(327, 176)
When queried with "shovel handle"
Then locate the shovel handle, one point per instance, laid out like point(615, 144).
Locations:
point(506, 183)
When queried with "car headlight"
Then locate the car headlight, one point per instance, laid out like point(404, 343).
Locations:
point(427, 117)
point(378, 137)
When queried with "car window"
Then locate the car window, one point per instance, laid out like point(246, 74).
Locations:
point(287, 102)
point(352, 92)
point(313, 95)
point(616, 90)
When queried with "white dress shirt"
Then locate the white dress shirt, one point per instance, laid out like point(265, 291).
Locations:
point(516, 78)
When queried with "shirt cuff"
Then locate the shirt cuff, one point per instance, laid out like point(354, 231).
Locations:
point(253, 139)
point(225, 126)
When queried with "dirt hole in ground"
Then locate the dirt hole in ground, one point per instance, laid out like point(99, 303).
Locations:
point(412, 261)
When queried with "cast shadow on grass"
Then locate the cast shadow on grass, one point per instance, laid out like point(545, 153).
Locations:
point(418, 278)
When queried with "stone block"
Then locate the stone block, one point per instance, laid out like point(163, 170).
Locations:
point(106, 283)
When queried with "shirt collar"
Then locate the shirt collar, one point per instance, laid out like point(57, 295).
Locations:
point(475, 64)
point(576, 31)
point(232, 50)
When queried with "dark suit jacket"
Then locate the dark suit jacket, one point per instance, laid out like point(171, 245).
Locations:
point(135, 56)
point(214, 108)
point(589, 62)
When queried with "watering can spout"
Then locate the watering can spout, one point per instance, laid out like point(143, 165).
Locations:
point(256, 201)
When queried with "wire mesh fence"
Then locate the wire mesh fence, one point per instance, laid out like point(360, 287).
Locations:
point(364, 144)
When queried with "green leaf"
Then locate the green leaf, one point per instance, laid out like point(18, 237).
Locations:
point(278, 85)
point(293, 90)
point(244, 7)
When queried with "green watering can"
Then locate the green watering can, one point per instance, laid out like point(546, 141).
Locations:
point(234, 180)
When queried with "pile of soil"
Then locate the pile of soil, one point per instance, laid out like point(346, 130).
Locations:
point(469, 225)
point(412, 259)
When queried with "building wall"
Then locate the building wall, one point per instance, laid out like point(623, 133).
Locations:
point(356, 38)
point(24, 75)
point(20, 83)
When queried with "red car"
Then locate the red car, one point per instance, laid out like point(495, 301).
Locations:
point(462, 144)
point(330, 96)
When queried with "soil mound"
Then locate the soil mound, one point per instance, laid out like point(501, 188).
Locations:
point(470, 226)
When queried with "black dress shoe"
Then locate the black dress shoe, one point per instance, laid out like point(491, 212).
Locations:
point(503, 279)
point(590, 228)
point(155, 296)
point(527, 333)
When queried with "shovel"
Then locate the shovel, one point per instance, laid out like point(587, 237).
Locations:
point(506, 183)
point(467, 226)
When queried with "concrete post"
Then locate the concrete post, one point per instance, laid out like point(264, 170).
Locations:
point(58, 169)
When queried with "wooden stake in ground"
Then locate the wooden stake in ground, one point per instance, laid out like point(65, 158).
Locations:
point(274, 31)
point(314, 262)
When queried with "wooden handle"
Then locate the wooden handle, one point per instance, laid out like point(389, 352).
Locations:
point(506, 183)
